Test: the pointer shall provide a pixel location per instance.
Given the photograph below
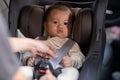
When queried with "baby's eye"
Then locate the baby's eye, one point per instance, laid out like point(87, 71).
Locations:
point(66, 23)
point(55, 22)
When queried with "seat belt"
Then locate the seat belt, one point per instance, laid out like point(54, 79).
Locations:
point(41, 65)
point(61, 53)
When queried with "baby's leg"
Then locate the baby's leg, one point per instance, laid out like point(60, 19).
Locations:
point(69, 73)
point(27, 71)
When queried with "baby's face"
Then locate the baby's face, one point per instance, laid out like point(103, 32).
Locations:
point(57, 23)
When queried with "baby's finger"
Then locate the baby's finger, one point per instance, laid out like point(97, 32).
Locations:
point(30, 64)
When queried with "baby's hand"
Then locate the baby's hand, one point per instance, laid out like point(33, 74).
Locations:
point(30, 61)
point(67, 62)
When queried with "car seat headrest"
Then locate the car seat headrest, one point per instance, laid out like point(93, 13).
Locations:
point(83, 26)
point(30, 21)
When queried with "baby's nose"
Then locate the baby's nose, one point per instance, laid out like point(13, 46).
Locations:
point(60, 25)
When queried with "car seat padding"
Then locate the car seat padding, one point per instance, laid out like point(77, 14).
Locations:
point(83, 25)
point(30, 21)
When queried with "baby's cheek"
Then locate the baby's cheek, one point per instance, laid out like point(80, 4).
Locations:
point(66, 32)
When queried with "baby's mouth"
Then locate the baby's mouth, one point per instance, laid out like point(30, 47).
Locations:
point(59, 31)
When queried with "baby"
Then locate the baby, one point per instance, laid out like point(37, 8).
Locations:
point(58, 22)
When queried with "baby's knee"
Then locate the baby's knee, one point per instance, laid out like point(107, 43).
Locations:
point(67, 74)
point(27, 71)
point(70, 70)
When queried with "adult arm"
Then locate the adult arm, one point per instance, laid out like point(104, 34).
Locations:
point(35, 46)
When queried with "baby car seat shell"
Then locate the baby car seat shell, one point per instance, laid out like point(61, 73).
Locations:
point(88, 30)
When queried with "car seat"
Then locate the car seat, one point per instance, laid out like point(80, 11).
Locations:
point(88, 29)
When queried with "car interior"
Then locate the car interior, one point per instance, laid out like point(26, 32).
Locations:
point(88, 28)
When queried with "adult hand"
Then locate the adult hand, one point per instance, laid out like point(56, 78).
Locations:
point(44, 49)
point(48, 76)
point(112, 33)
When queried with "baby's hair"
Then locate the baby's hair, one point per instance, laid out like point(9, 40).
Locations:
point(59, 6)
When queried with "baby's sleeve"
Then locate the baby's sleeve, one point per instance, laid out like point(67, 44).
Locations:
point(76, 56)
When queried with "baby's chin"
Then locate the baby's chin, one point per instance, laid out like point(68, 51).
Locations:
point(61, 36)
